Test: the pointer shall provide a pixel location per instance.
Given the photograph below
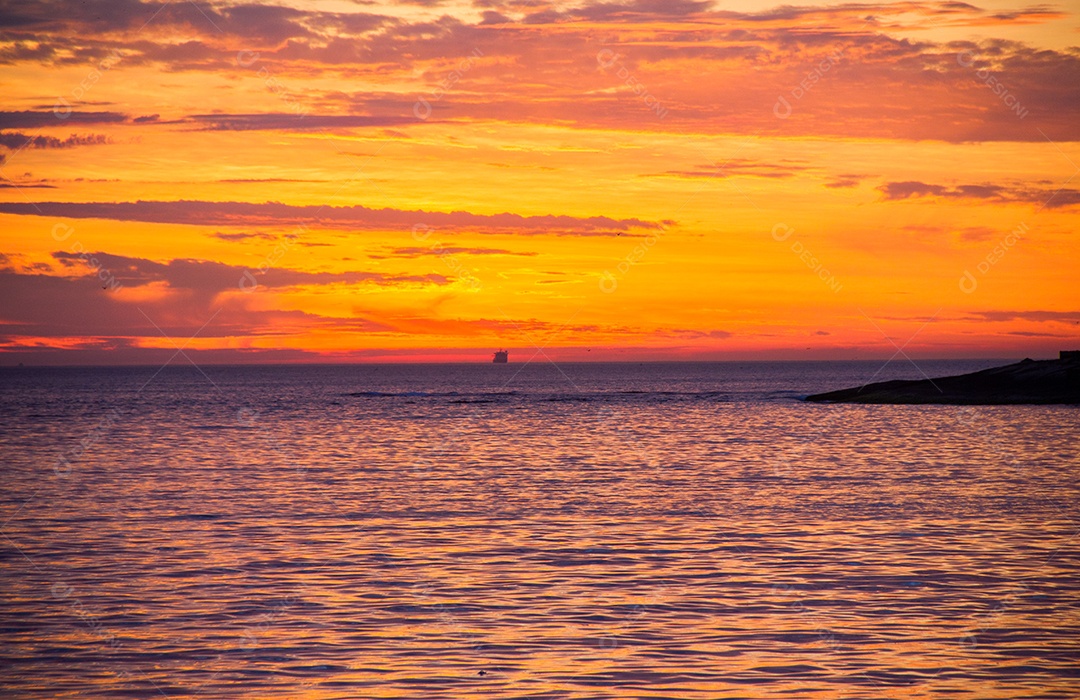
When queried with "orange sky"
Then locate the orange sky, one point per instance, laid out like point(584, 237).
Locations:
point(624, 180)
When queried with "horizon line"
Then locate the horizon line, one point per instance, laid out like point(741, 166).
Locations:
point(304, 363)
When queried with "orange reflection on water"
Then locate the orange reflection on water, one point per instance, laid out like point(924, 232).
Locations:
point(398, 546)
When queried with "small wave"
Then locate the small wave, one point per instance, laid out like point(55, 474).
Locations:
point(390, 394)
point(422, 394)
point(548, 397)
point(405, 394)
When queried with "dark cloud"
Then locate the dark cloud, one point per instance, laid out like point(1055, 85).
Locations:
point(26, 51)
point(1038, 12)
point(266, 23)
point(911, 188)
point(737, 167)
point(16, 140)
point(845, 180)
point(13, 185)
point(416, 252)
point(66, 32)
point(44, 306)
point(958, 13)
point(85, 298)
point(667, 9)
point(208, 278)
point(690, 333)
point(124, 352)
point(492, 17)
point(245, 181)
point(293, 122)
point(1044, 197)
point(723, 71)
point(242, 236)
point(1072, 317)
point(200, 213)
point(35, 120)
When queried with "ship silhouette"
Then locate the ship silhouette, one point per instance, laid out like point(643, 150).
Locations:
point(501, 357)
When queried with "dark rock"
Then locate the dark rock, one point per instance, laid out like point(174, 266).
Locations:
point(1026, 382)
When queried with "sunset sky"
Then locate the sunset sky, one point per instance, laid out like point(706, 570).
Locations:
point(434, 180)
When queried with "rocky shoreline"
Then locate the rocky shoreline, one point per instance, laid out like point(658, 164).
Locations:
point(1025, 382)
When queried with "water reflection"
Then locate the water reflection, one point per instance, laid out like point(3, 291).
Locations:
point(297, 541)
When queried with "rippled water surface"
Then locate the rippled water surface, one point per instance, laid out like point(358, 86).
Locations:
point(580, 531)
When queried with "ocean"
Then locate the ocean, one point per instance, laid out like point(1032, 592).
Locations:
point(591, 530)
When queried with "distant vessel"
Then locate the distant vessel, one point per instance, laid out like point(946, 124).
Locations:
point(501, 357)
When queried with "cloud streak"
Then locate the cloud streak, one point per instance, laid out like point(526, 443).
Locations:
point(209, 278)
point(38, 119)
point(15, 140)
point(293, 122)
point(439, 250)
point(202, 213)
point(1043, 196)
point(740, 167)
